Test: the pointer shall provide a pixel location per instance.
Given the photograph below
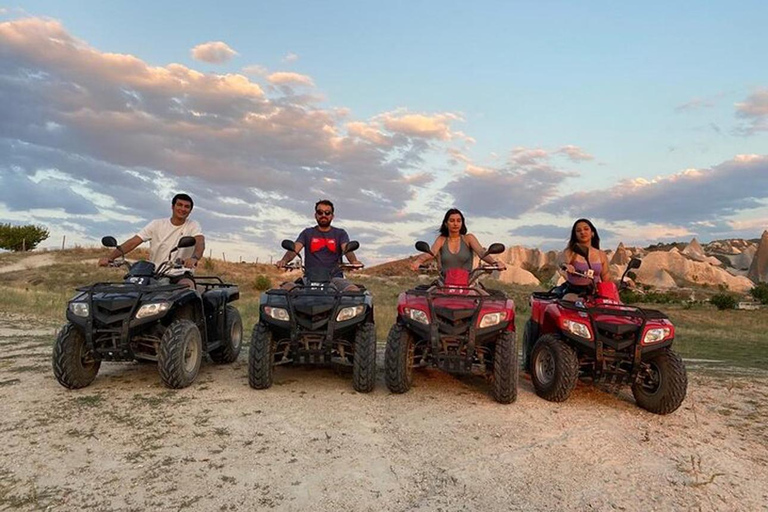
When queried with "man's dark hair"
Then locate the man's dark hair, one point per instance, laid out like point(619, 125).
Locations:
point(444, 229)
point(183, 197)
point(595, 242)
point(326, 202)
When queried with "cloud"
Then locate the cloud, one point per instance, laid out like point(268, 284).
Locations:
point(505, 193)
point(437, 126)
point(290, 57)
point(127, 134)
point(575, 154)
point(754, 109)
point(695, 104)
point(213, 52)
point(681, 199)
point(288, 78)
point(545, 231)
point(255, 70)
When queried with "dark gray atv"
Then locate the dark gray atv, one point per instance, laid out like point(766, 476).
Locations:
point(314, 324)
point(144, 318)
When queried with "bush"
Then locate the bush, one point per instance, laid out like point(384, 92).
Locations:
point(760, 292)
point(21, 238)
point(724, 301)
point(262, 283)
point(208, 264)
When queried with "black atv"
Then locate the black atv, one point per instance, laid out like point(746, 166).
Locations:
point(145, 318)
point(314, 323)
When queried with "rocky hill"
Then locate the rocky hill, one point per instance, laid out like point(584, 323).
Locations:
point(735, 264)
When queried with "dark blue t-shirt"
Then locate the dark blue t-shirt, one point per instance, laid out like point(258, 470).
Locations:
point(322, 249)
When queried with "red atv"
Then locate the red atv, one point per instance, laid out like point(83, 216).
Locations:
point(457, 325)
point(593, 334)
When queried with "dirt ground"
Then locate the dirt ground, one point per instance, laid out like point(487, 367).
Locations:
point(312, 443)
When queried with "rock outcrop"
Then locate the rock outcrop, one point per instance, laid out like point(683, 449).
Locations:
point(758, 271)
point(518, 275)
point(685, 271)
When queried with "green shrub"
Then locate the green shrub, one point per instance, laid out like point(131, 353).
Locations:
point(21, 238)
point(724, 301)
point(208, 264)
point(262, 283)
point(760, 292)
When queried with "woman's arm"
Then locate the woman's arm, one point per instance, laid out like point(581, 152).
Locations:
point(424, 257)
point(479, 250)
point(605, 273)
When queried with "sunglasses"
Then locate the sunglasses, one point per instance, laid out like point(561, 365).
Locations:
point(326, 213)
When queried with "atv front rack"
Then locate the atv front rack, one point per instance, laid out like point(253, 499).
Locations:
point(616, 348)
point(455, 363)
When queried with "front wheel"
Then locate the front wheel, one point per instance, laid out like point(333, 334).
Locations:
point(181, 352)
point(661, 386)
point(398, 359)
point(554, 368)
point(364, 362)
point(232, 339)
point(73, 365)
point(505, 369)
point(261, 357)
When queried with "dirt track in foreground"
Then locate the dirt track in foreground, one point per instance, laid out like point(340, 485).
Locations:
point(312, 443)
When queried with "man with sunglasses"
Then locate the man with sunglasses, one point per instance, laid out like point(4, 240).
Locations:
point(323, 246)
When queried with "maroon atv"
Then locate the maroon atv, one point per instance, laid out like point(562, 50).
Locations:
point(592, 334)
point(457, 325)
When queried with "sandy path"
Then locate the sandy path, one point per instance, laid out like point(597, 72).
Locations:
point(37, 260)
point(312, 443)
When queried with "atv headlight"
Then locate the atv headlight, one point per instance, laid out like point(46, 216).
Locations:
point(153, 309)
point(490, 319)
point(577, 328)
point(417, 315)
point(350, 312)
point(655, 335)
point(79, 309)
point(277, 313)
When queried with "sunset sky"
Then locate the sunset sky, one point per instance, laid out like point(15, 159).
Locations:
point(650, 118)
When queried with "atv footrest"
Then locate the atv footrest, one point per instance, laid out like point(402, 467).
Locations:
point(453, 364)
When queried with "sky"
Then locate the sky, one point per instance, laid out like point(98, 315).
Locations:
point(648, 118)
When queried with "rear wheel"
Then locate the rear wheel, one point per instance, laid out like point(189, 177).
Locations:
point(661, 386)
point(181, 352)
point(73, 365)
point(554, 368)
point(261, 357)
point(364, 363)
point(398, 359)
point(505, 369)
point(232, 339)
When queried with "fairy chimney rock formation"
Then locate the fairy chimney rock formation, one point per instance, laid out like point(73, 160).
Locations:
point(758, 271)
point(621, 256)
point(694, 250)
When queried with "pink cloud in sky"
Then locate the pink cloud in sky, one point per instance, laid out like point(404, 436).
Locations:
point(289, 78)
point(213, 52)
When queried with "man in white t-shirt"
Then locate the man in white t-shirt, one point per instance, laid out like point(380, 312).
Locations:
point(164, 234)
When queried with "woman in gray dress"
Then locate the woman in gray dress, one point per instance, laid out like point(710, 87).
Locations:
point(454, 246)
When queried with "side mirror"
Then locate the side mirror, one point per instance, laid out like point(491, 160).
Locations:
point(352, 245)
point(423, 247)
point(109, 241)
point(495, 248)
point(634, 263)
point(288, 245)
point(186, 241)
